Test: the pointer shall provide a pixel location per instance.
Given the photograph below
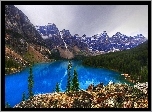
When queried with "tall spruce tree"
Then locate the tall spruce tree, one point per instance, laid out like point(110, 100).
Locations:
point(23, 96)
point(57, 89)
point(75, 82)
point(69, 77)
point(30, 83)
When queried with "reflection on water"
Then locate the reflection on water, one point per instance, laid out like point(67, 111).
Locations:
point(46, 75)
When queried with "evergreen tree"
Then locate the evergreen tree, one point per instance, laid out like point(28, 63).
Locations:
point(30, 83)
point(69, 77)
point(144, 74)
point(75, 83)
point(23, 96)
point(57, 89)
point(7, 105)
point(68, 82)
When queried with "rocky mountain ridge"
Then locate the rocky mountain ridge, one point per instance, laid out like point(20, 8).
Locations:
point(98, 44)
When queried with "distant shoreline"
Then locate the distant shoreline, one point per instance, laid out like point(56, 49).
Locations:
point(16, 71)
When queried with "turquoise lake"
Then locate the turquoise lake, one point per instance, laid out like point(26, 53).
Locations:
point(46, 75)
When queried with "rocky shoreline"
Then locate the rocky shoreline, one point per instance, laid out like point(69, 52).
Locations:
point(99, 96)
point(142, 86)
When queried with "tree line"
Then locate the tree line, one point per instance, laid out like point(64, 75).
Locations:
point(133, 62)
point(10, 63)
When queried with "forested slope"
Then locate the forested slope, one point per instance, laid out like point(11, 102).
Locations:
point(133, 62)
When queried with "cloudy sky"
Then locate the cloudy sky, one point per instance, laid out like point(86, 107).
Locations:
point(91, 19)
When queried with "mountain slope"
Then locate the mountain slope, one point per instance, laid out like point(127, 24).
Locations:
point(22, 40)
point(133, 62)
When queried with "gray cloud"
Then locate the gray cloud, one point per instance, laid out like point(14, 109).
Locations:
point(91, 19)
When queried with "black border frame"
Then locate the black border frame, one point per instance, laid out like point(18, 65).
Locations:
point(3, 3)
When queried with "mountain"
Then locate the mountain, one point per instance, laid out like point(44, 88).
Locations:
point(97, 44)
point(23, 43)
point(26, 43)
point(62, 42)
point(133, 62)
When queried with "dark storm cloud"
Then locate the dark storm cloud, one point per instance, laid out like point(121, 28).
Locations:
point(91, 19)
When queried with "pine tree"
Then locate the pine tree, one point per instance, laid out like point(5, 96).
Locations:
point(23, 96)
point(69, 77)
point(144, 74)
point(7, 105)
point(75, 83)
point(68, 82)
point(57, 89)
point(30, 84)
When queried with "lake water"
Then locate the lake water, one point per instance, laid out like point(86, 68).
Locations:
point(46, 75)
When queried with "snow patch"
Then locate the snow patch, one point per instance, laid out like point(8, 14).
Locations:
point(63, 41)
